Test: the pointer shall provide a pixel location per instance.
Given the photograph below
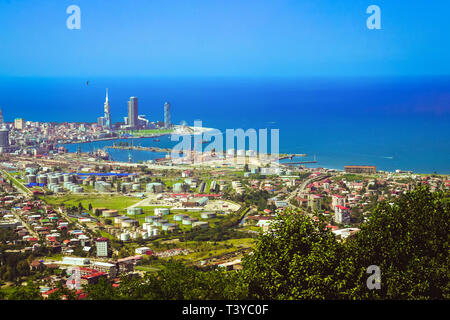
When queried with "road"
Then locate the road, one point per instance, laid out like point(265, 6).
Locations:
point(16, 183)
point(29, 228)
point(78, 224)
point(302, 187)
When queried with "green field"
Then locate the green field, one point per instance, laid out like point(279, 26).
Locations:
point(113, 202)
point(148, 132)
point(147, 268)
point(15, 181)
point(206, 249)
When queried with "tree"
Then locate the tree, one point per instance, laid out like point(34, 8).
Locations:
point(409, 241)
point(297, 259)
point(103, 290)
point(23, 268)
point(90, 207)
point(29, 292)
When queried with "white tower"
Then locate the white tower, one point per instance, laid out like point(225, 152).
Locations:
point(107, 110)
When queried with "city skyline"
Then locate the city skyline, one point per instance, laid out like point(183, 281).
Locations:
point(306, 157)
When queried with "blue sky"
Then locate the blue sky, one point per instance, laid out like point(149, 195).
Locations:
point(270, 38)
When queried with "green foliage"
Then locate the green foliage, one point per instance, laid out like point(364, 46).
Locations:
point(174, 282)
point(409, 241)
point(30, 292)
point(297, 259)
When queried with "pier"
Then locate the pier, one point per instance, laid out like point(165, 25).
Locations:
point(152, 149)
point(298, 162)
point(291, 156)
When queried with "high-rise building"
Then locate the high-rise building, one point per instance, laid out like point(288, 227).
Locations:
point(19, 123)
point(107, 109)
point(4, 137)
point(342, 214)
point(133, 112)
point(101, 121)
point(167, 123)
point(1, 117)
point(102, 247)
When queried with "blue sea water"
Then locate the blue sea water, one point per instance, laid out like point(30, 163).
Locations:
point(393, 123)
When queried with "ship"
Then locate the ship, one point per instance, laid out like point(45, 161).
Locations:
point(101, 154)
point(156, 140)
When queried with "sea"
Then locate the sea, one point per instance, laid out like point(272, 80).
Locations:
point(392, 123)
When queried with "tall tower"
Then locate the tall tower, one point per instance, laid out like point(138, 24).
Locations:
point(133, 112)
point(1, 117)
point(107, 110)
point(4, 138)
point(167, 123)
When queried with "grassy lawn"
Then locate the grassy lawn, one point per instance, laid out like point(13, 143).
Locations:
point(206, 249)
point(56, 257)
point(7, 290)
point(147, 268)
point(106, 235)
point(15, 181)
point(252, 228)
point(113, 202)
point(148, 132)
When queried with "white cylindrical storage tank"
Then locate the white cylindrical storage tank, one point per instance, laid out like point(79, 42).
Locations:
point(155, 187)
point(125, 236)
point(178, 187)
point(179, 217)
point(42, 179)
point(53, 179)
point(134, 211)
point(162, 211)
point(187, 221)
point(146, 225)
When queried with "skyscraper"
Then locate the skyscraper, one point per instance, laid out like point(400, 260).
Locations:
point(19, 123)
point(1, 116)
point(107, 110)
point(167, 123)
point(133, 112)
point(4, 138)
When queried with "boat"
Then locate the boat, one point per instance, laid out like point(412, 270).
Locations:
point(101, 154)
point(156, 140)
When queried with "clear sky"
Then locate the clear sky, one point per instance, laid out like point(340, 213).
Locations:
point(265, 38)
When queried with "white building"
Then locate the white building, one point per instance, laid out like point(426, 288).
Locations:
point(102, 247)
point(76, 261)
point(342, 214)
point(337, 200)
point(143, 250)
